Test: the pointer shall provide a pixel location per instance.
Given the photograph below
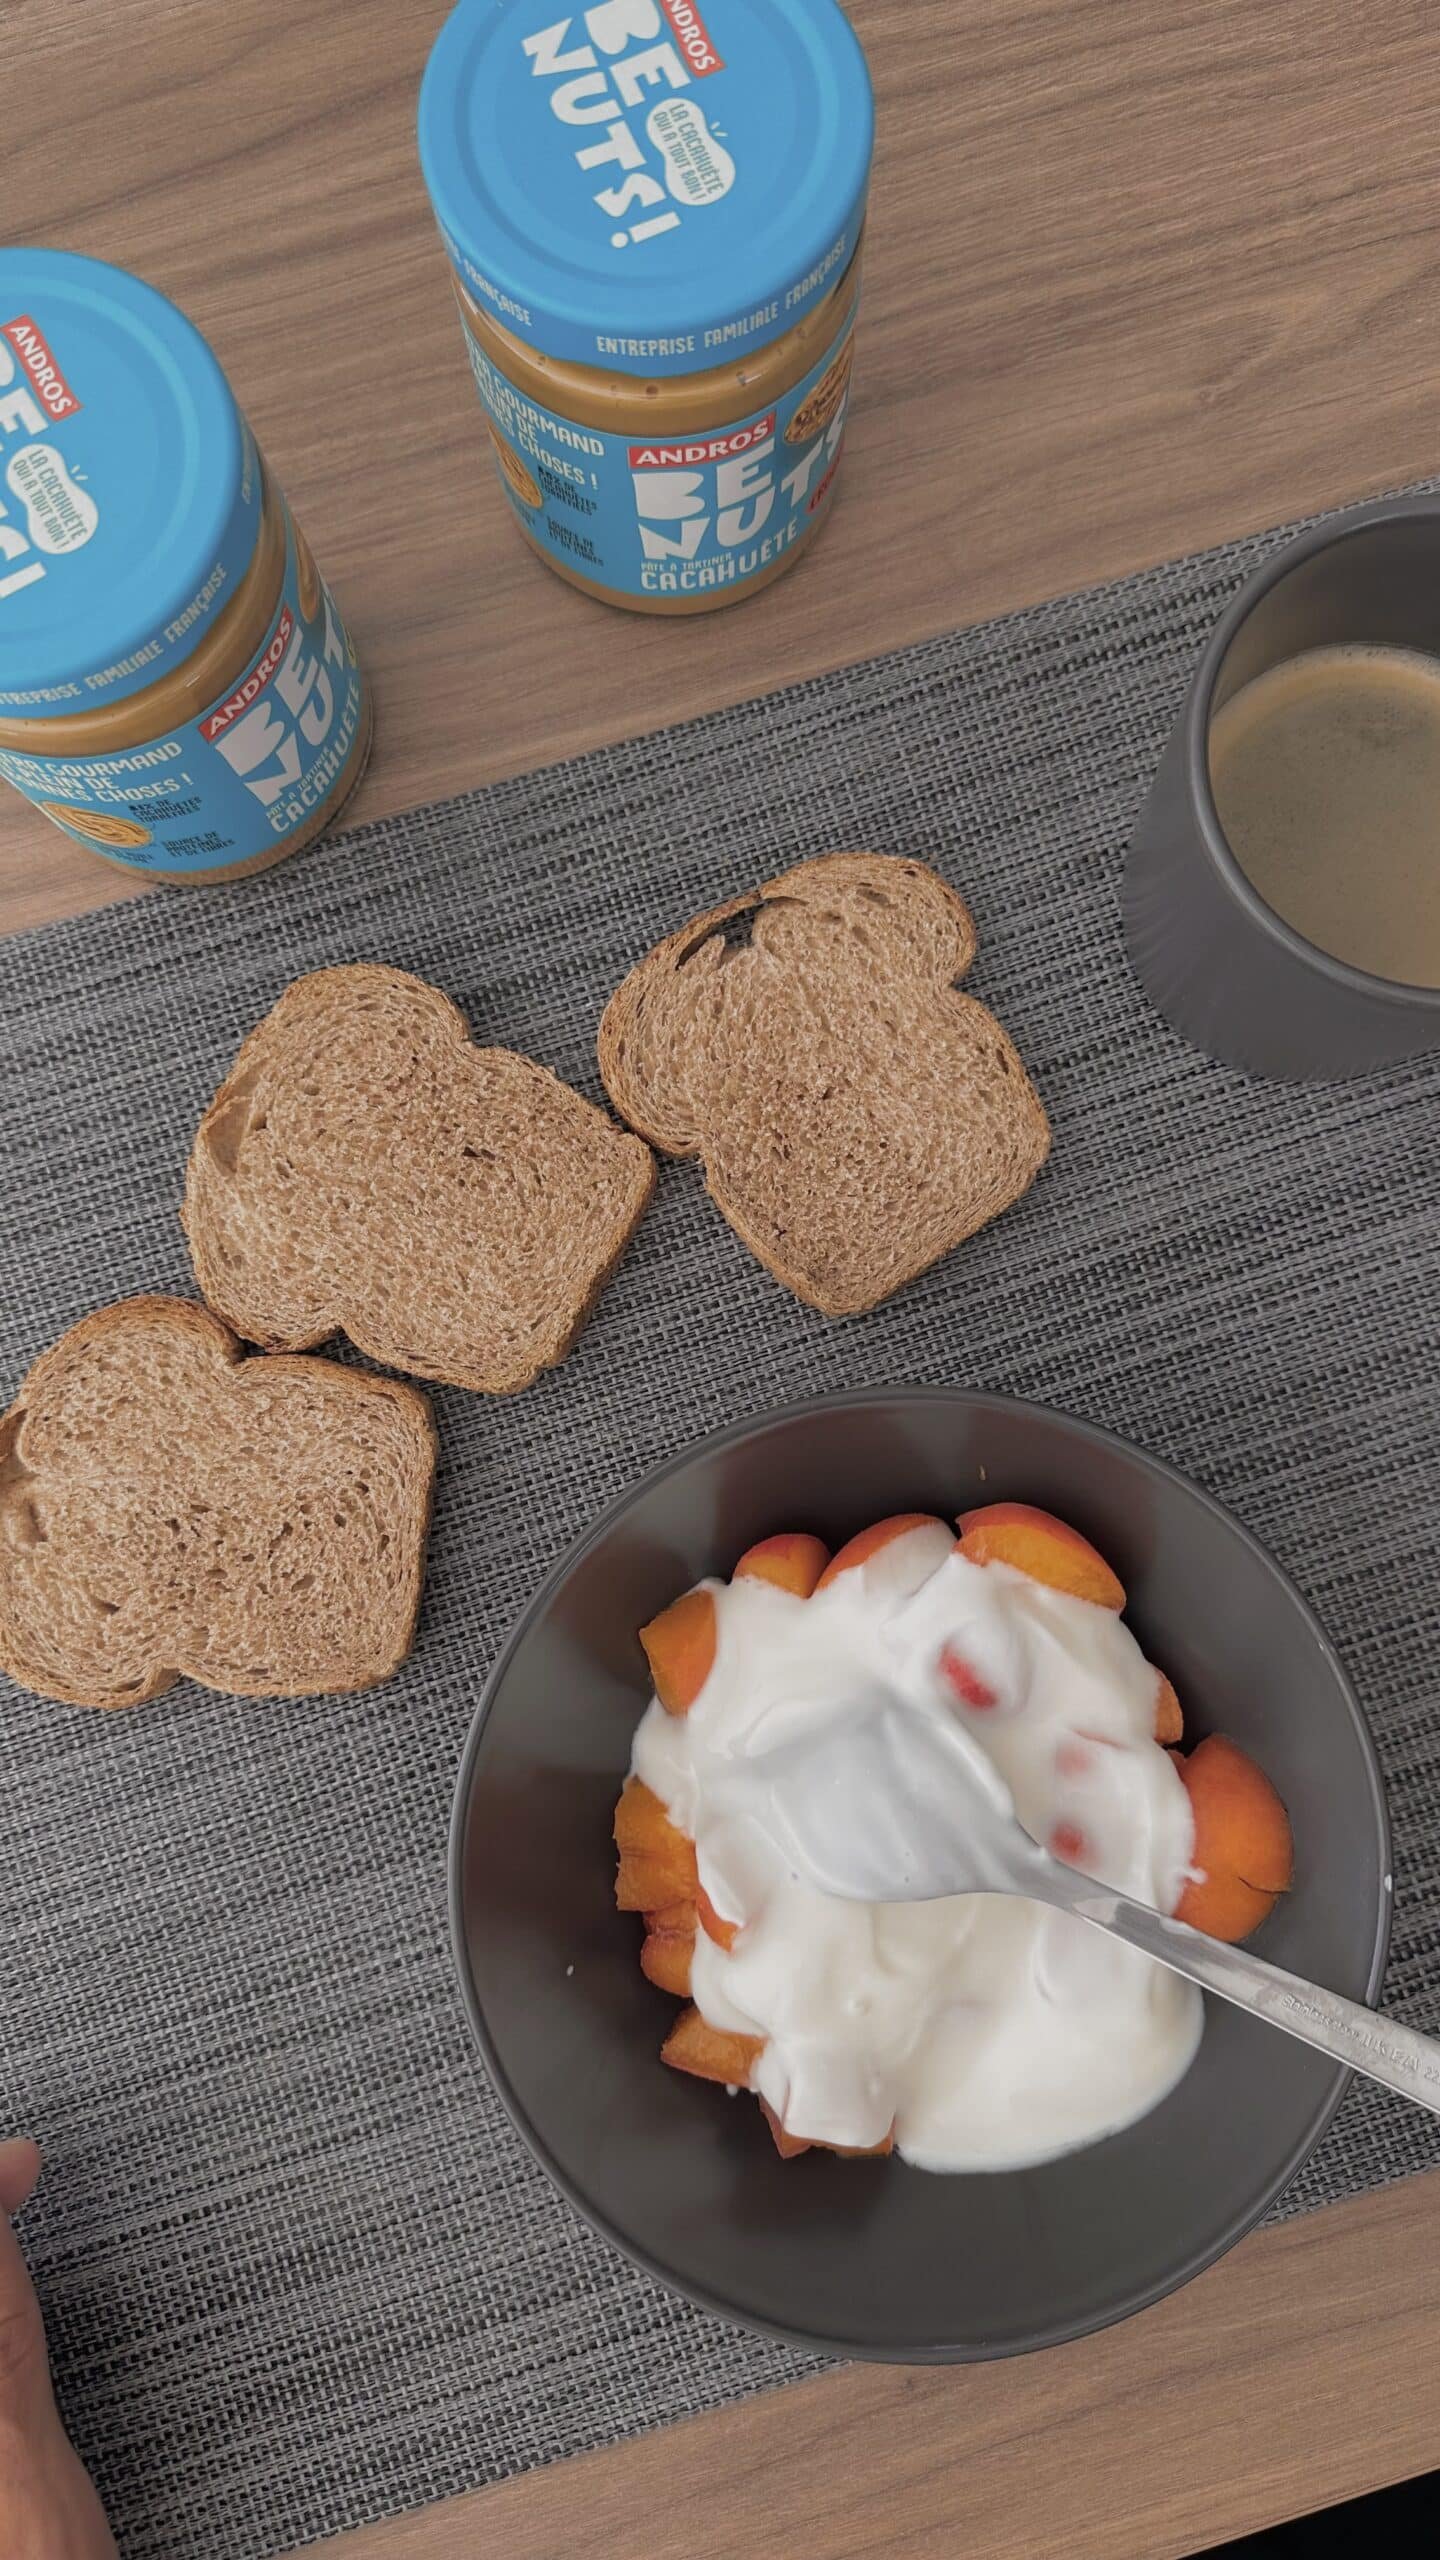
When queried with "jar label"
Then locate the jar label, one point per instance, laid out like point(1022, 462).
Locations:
point(68, 503)
point(660, 185)
point(252, 769)
point(678, 516)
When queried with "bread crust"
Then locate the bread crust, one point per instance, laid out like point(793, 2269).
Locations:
point(708, 1051)
point(502, 1111)
point(32, 1477)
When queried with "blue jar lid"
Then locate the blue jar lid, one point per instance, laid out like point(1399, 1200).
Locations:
point(647, 186)
point(129, 485)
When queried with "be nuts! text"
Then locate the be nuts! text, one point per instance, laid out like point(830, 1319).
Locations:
point(289, 691)
point(26, 409)
point(602, 82)
point(719, 488)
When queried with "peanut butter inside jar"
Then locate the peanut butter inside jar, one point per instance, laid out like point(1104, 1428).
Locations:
point(668, 410)
point(653, 211)
point(178, 692)
point(183, 695)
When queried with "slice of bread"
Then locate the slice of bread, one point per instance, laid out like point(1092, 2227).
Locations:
point(169, 1508)
point(856, 1116)
point(365, 1169)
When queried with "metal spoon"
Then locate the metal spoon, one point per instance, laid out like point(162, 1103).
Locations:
point(938, 1819)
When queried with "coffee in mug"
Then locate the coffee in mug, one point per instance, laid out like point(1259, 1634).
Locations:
point(1325, 772)
point(1282, 892)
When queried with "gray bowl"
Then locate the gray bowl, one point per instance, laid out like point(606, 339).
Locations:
point(873, 2258)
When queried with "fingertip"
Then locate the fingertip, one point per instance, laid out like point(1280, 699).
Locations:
point(19, 2172)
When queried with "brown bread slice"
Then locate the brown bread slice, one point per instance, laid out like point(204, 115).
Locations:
point(169, 1508)
point(857, 1117)
point(366, 1169)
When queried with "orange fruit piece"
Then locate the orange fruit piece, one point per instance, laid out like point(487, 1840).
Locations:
point(724, 1932)
point(645, 1883)
point(710, 2052)
point(1169, 1721)
point(1244, 1855)
point(665, 1960)
point(667, 1948)
point(789, 2145)
point(680, 1648)
point(1049, 1550)
point(641, 1821)
point(657, 1862)
point(859, 1550)
point(793, 1561)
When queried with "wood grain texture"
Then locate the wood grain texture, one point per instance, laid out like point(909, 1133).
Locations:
point(1140, 278)
point(1298, 2372)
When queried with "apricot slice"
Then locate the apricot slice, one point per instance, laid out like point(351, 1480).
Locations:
point(711, 2053)
point(724, 1932)
point(641, 1821)
point(1049, 1550)
point(790, 2145)
point(793, 1561)
point(644, 1883)
point(665, 1960)
point(1244, 1856)
point(657, 1862)
point(859, 1550)
point(1169, 1721)
point(680, 1649)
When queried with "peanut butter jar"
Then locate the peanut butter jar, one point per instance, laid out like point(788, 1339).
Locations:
point(177, 689)
point(653, 212)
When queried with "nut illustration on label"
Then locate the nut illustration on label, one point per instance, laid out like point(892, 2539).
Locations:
point(698, 168)
point(307, 576)
point(61, 516)
point(823, 406)
point(100, 825)
point(523, 481)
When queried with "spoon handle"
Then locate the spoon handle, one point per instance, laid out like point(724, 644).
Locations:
point(1380, 2047)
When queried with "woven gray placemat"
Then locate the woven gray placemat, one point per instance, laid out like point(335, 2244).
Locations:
point(298, 2270)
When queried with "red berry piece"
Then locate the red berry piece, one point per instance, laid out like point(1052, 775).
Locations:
point(965, 1680)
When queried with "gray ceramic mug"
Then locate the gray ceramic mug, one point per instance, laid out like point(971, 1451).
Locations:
point(1219, 963)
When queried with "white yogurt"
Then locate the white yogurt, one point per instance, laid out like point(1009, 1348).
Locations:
point(989, 2031)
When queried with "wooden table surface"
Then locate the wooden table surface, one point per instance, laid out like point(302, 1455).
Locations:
point(1141, 277)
